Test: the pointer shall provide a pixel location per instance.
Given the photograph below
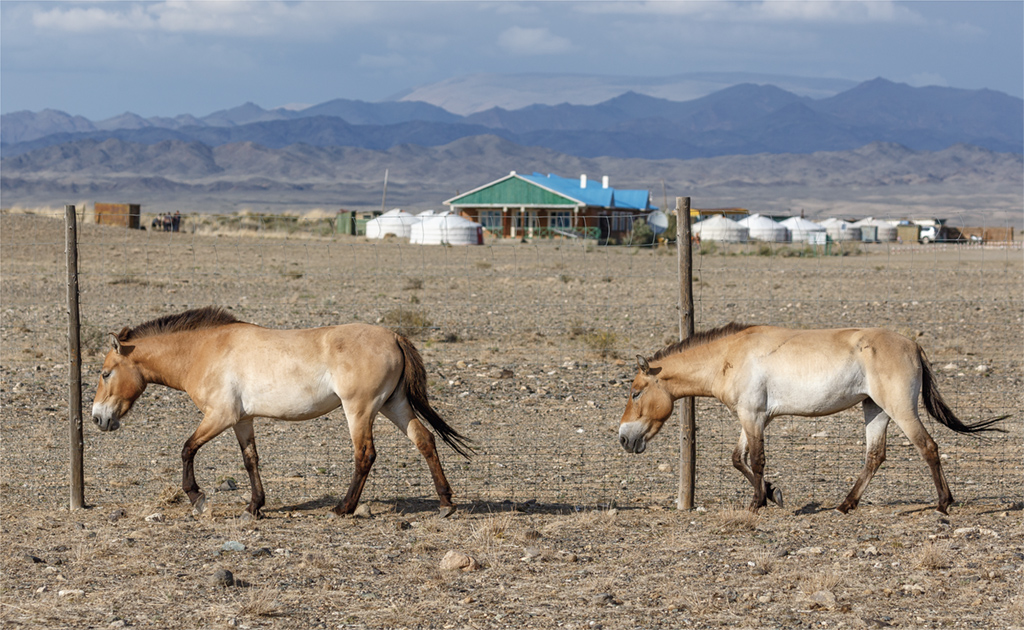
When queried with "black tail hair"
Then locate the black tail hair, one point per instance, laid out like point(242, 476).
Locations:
point(938, 409)
point(415, 378)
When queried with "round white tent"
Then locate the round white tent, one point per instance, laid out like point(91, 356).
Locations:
point(447, 229)
point(761, 228)
point(718, 228)
point(884, 231)
point(839, 230)
point(395, 222)
point(801, 230)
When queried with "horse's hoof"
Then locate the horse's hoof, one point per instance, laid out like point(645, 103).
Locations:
point(199, 505)
point(446, 511)
point(777, 497)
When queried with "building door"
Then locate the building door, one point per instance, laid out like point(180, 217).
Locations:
point(605, 228)
point(526, 224)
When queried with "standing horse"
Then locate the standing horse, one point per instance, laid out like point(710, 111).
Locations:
point(760, 372)
point(235, 371)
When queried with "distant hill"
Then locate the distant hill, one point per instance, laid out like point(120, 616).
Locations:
point(192, 176)
point(834, 146)
point(475, 93)
point(743, 119)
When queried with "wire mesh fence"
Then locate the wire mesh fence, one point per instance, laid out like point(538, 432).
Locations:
point(530, 349)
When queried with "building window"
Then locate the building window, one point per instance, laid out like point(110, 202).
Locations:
point(561, 220)
point(491, 220)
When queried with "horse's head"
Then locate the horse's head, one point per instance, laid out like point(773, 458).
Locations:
point(647, 409)
point(121, 383)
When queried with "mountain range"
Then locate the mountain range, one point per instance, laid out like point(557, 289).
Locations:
point(744, 119)
point(874, 144)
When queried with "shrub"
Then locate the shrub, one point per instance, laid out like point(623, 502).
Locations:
point(602, 342)
point(642, 233)
point(406, 321)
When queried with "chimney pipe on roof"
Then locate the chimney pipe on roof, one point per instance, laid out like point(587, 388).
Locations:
point(583, 180)
point(604, 181)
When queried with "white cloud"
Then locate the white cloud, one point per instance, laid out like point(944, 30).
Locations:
point(227, 17)
point(788, 11)
point(532, 41)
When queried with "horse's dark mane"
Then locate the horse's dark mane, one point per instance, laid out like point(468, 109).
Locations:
point(195, 319)
point(701, 338)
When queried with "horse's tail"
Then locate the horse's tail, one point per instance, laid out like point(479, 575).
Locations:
point(938, 409)
point(415, 377)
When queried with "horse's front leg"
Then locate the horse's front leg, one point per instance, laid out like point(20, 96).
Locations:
point(212, 425)
point(247, 442)
point(753, 429)
point(739, 461)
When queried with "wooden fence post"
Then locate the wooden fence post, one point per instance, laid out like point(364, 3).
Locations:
point(74, 361)
point(687, 425)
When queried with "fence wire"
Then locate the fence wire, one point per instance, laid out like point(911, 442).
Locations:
point(530, 349)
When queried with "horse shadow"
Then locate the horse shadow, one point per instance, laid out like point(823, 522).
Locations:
point(407, 506)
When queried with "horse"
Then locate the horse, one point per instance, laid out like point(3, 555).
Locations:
point(760, 372)
point(236, 371)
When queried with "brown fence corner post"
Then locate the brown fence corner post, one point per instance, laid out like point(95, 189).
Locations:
point(74, 362)
point(687, 427)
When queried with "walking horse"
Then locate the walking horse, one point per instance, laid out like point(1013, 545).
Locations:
point(235, 372)
point(760, 372)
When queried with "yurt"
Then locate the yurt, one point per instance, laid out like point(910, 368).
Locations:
point(395, 222)
point(801, 230)
point(718, 228)
point(884, 232)
point(839, 230)
point(447, 229)
point(761, 228)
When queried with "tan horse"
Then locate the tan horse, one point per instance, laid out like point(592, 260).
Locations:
point(235, 371)
point(760, 372)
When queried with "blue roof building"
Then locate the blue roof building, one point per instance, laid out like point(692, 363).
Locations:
point(530, 206)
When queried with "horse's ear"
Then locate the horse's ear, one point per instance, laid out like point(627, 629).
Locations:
point(115, 343)
point(643, 365)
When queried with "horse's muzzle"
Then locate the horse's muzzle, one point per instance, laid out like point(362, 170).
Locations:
point(104, 419)
point(631, 437)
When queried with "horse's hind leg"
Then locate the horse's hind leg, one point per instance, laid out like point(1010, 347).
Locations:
point(247, 442)
point(401, 414)
point(360, 426)
point(918, 435)
point(875, 423)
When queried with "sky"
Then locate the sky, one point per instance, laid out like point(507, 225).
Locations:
point(101, 59)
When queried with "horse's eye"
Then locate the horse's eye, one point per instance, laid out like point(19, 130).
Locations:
point(105, 375)
point(637, 393)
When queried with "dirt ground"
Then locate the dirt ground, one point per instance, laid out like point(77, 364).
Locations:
point(529, 349)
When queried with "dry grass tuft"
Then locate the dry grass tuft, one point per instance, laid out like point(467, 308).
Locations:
point(260, 603)
point(169, 496)
point(736, 520)
point(823, 581)
point(413, 284)
point(493, 527)
point(932, 556)
point(764, 561)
